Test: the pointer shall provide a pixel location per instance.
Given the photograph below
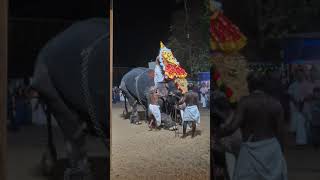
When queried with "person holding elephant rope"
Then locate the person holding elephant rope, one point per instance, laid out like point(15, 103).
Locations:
point(191, 112)
point(154, 108)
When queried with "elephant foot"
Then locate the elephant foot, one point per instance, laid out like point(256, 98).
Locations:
point(173, 128)
point(134, 119)
point(47, 163)
point(78, 174)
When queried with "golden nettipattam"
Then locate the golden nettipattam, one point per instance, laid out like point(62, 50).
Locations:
point(172, 68)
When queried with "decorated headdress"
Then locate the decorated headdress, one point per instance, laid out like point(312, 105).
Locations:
point(172, 69)
point(169, 64)
point(166, 55)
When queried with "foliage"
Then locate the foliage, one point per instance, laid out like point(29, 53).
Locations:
point(192, 53)
point(280, 19)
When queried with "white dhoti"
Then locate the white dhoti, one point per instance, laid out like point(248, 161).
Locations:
point(38, 115)
point(298, 125)
point(261, 160)
point(230, 162)
point(191, 113)
point(203, 101)
point(121, 98)
point(155, 110)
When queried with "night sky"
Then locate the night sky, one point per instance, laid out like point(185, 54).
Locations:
point(32, 23)
point(139, 26)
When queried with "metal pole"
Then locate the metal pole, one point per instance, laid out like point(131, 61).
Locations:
point(3, 86)
point(110, 79)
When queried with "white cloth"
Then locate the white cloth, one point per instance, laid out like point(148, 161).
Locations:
point(299, 91)
point(261, 160)
point(181, 113)
point(191, 113)
point(121, 97)
point(155, 110)
point(231, 163)
point(38, 115)
point(203, 101)
point(158, 76)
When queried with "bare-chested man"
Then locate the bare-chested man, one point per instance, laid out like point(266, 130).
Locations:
point(191, 112)
point(154, 107)
point(260, 118)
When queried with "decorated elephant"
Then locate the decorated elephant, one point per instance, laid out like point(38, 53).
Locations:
point(135, 86)
point(72, 79)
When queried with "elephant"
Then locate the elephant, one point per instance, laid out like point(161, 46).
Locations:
point(135, 85)
point(71, 76)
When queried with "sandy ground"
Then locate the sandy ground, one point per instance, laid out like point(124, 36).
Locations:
point(25, 150)
point(303, 162)
point(138, 153)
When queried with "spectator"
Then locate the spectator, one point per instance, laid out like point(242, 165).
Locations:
point(203, 91)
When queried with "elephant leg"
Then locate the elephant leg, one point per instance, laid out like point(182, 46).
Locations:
point(78, 159)
point(73, 130)
point(68, 121)
point(75, 139)
point(49, 157)
point(134, 118)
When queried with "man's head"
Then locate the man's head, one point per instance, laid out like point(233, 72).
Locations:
point(190, 87)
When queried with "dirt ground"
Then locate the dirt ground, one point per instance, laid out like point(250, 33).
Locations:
point(25, 150)
point(138, 153)
point(303, 162)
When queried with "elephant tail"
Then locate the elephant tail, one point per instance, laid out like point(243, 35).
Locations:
point(48, 114)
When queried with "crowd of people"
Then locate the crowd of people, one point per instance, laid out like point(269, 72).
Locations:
point(305, 108)
point(248, 140)
point(23, 107)
point(19, 108)
point(203, 91)
point(254, 134)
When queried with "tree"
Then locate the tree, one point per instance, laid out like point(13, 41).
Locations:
point(191, 51)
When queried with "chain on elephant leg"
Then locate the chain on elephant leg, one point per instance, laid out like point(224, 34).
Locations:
point(134, 118)
point(79, 165)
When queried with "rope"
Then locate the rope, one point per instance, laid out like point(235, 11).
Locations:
point(85, 87)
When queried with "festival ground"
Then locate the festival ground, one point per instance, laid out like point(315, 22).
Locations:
point(25, 150)
point(138, 153)
point(303, 162)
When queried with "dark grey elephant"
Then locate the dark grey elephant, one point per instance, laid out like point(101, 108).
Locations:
point(135, 86)
point(72, 78)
